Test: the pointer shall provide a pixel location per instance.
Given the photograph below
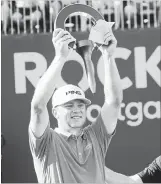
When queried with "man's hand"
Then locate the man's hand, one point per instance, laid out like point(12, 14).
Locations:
point(110, 43)
point(60, 40)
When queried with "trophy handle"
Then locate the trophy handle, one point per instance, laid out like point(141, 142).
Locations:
point(85, 48)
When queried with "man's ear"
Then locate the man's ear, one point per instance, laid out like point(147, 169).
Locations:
point(55, 113)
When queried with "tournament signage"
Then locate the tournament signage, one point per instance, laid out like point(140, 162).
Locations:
point(138, 66)
point(26, 58)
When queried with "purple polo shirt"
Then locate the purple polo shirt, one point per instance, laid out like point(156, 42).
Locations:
point(62, 158)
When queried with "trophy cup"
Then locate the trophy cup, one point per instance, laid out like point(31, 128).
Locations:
point(85, 47)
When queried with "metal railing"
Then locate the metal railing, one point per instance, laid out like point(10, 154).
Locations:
point(37, 16)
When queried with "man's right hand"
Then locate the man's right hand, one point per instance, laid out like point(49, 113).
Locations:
point(61, 39)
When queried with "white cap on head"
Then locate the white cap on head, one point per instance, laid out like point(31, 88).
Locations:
point(67, 93)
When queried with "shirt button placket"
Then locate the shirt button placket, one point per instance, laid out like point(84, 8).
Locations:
point(79, 146)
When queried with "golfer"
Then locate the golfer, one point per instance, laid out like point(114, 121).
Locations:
point(71, 153)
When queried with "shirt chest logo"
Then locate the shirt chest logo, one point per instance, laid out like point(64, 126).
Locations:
point(88, 147)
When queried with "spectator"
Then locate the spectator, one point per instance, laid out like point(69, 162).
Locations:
point(4, 16)
point(39, 15)
point(129, 13)
point(109, 11)
point(49, 10)
point(68, 2)
point(26, 14)
point(159, 14)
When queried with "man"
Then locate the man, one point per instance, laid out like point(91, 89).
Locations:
point(71, 153)
point(151, 174)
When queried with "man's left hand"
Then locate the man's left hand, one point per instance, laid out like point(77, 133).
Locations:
point(110, 43)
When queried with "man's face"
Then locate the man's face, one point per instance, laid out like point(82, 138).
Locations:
point(72, 114)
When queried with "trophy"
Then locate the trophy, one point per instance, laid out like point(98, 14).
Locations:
point(86, 47)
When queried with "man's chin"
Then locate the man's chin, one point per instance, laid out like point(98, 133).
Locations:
point(77, 124)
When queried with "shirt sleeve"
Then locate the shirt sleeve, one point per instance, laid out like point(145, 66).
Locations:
point(152, 173)
point(39, 146)
point(99, 130)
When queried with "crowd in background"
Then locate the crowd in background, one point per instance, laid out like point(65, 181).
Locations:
point(32, 16)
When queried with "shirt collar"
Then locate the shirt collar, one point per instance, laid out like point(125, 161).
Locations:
point(59, 131)
point(67, 134)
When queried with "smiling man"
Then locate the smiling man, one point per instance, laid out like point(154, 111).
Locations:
point(71, 153)
point(69, 108)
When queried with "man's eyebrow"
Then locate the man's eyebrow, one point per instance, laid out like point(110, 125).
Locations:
point(68, 103)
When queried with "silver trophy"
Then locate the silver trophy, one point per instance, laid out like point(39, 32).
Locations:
point(86, 47)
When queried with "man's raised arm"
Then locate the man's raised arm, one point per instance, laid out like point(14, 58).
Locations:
point(46, 85)
point(112, 84)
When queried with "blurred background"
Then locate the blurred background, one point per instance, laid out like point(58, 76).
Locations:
point(37, 16)
point(27, 51)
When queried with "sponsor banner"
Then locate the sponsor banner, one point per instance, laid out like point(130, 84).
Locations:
point(26, 58)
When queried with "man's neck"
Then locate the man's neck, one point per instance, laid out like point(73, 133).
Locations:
point(72, 131)
point(76, 131)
